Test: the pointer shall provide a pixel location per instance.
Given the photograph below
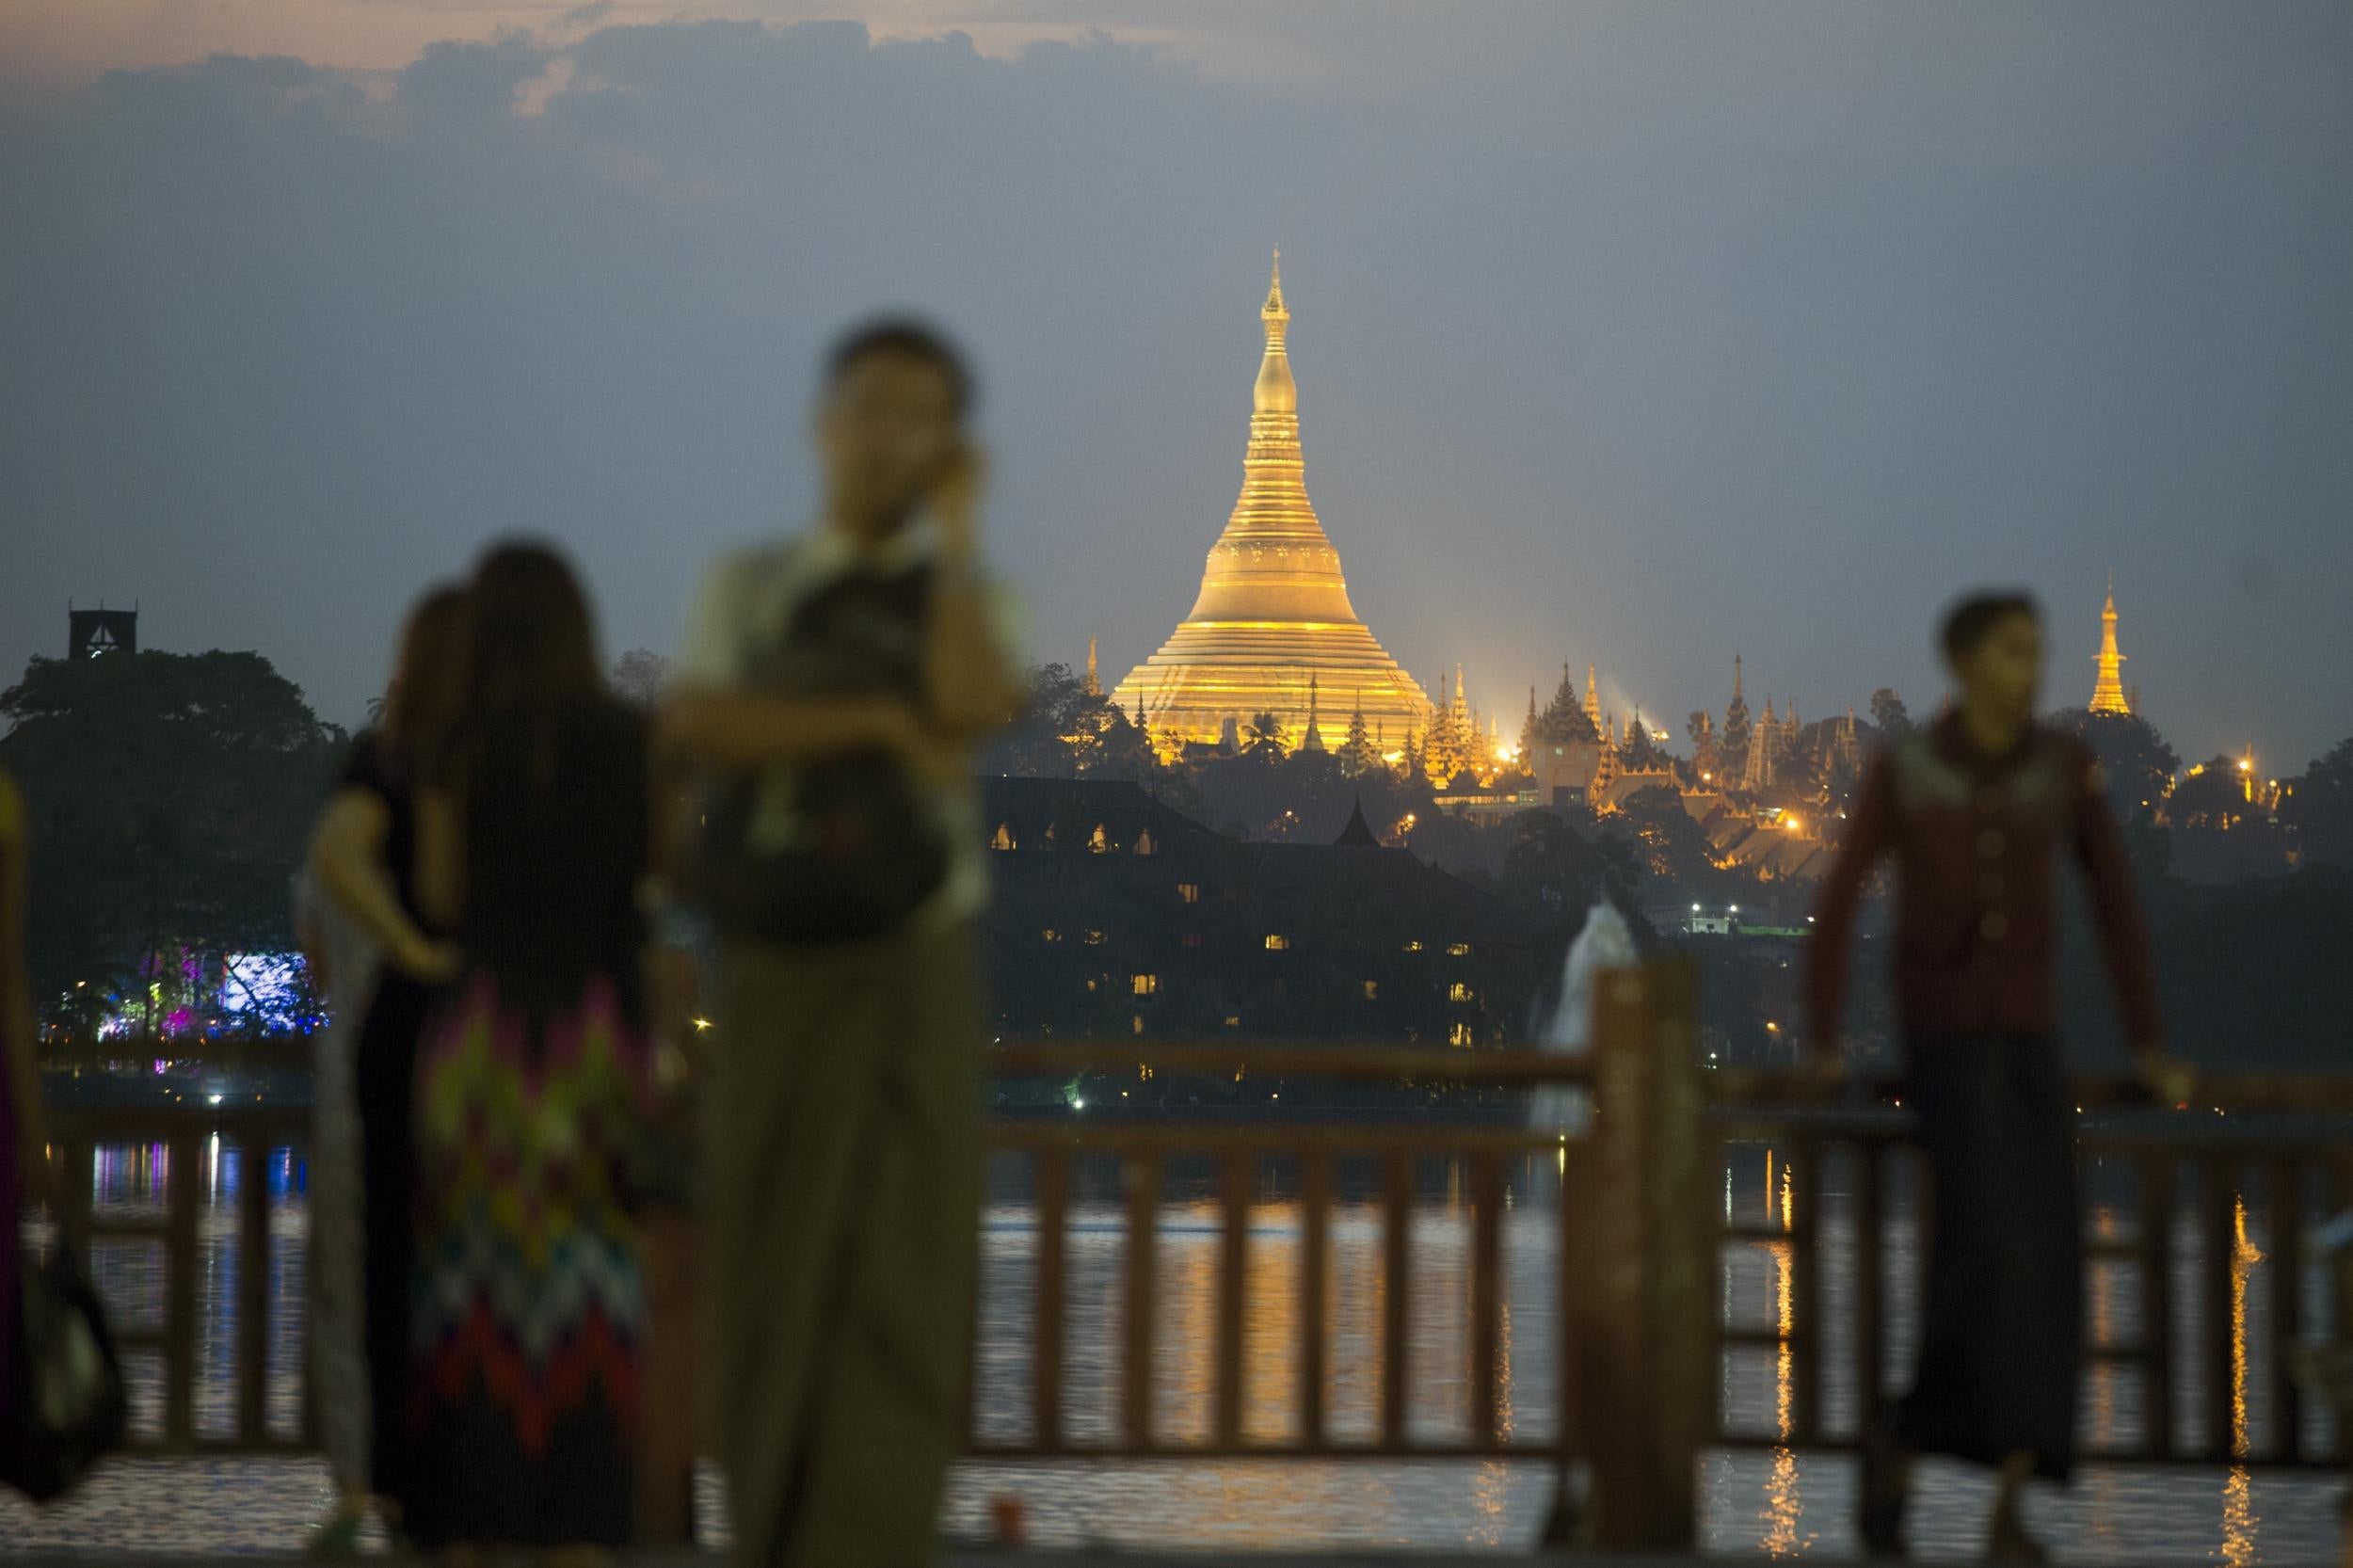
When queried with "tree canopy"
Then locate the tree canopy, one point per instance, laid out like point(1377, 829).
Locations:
point(2321, 808)
point(172, 795)
point(2138, 763)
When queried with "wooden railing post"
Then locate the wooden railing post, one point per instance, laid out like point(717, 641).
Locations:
point(1053, 1168)
point(1643, 1352)
point(183, 1193)
point(253, 1269)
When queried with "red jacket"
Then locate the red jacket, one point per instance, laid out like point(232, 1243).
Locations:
point(1972, 837)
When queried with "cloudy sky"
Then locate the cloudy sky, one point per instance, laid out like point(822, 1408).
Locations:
point(1631, 333)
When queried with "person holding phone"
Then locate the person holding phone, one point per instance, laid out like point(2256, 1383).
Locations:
point(826, 703)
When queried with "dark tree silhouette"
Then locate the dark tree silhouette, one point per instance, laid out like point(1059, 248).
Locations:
point(172, 795)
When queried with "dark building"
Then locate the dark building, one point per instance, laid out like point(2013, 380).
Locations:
point(91, 632)
point(1114, 915)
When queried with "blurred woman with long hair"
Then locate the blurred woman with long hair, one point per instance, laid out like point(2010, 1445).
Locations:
point(533, 1083)
point(379, 962)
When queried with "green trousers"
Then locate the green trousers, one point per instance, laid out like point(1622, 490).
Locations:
point(844, 1169)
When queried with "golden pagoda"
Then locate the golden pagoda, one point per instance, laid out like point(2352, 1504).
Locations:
point(1273, 621)
point(2107, 693)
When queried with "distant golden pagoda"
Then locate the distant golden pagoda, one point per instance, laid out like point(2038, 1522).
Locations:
point(2107, 693)
point(1273, 624)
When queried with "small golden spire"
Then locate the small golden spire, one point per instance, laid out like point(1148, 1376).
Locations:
point(2108, 692)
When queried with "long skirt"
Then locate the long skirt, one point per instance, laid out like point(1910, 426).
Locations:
point(339, 1363)
point(384, 1069)
point(530, 1304)
point(2000, 1341)
point(844, 1178)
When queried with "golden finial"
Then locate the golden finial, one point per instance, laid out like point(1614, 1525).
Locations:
point(1275, 309)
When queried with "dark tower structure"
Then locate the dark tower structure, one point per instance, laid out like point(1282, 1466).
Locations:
point(93, 632)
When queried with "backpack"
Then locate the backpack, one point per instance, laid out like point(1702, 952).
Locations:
point(67, 1408)
point(842, 849)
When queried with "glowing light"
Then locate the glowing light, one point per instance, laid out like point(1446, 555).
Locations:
point(1078, 1105)
point(701, 1024)
point(215, 1099)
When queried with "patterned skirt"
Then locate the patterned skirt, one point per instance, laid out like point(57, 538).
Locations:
point(529, 1303)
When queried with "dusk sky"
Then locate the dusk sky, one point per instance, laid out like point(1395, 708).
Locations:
point(1632, 333)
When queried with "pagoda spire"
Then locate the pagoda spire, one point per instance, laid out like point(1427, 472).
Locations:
point(2108, 692)
point(1592, 696)
point(1273, 605)
point(1095, 684)
point(1313, 740)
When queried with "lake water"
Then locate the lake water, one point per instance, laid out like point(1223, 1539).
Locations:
point(1767, 1500)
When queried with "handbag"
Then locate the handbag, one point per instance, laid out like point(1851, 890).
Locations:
point(842, 849)
point(67, 1409)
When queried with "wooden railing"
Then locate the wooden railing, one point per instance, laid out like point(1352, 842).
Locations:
point(2195, 1183)
point(1639, 1240)
point(187, 1136)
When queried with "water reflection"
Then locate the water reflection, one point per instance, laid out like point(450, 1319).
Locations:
point(1776, 1500)
point(2239, 1524)
point(1783, 1501)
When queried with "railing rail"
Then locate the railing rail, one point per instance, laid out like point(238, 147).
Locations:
point(1639, 1240)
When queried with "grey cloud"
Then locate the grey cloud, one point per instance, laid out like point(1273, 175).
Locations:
point(1624, 334)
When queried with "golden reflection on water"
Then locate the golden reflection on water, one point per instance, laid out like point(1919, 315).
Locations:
point(2240, 1526)
point(1272, 1316)
point(1783, 1501)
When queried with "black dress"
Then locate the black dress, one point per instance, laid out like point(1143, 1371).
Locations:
point(384, 1073)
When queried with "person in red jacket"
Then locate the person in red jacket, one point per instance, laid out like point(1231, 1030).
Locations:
point(1974, 811)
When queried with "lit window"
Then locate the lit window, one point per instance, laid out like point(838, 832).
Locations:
point(1145, 984)
point(1136, 1024)
point(1413, 947)
point(1004, 837)
point(1372, 990)
point(1145, 844)
point(1097, 841)
point(1458, 950)
point(1091, 985)
point(1188, 892)
point(1458, 992)
point(1459, 1036)
point(1049, 934)
point(1233, 1021)
point(1275, 942)
point(1094, 939)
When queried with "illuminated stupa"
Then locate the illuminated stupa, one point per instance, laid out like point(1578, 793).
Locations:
point(1273, 626)
point(2108, 692)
